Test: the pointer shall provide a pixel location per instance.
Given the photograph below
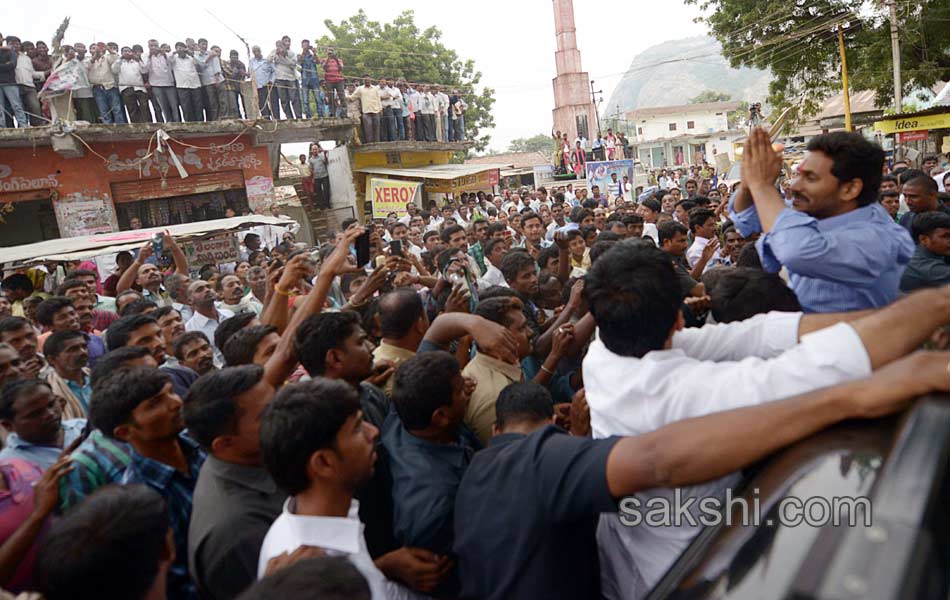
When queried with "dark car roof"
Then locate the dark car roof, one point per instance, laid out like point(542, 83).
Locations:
point(898, 465)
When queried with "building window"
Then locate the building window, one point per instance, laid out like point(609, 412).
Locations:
point(639, 130)
point(672, 126)
point(690, 125)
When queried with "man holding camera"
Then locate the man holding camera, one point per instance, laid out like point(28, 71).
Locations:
point(333, 75)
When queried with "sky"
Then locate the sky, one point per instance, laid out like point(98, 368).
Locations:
point(511, 42)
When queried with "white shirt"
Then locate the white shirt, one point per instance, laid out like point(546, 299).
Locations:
point(709, 369)
point(442, 103)
point(285, 67)
point(427, 103)
point(159, 71)
point(338, 536)
point(24, 71)
point(100, 70)
point(434, 224)
point(650, 231)
point(130, 74)
point(248, 303)
point(185, 71)
point(492, 277)
point(199, 322)
point(414, 98)
point(695, 252)
point(939, 179)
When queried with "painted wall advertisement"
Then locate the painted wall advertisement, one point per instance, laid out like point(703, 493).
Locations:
point(218, 250)
point(80, 215)
point(391, 196)
point(608, 175)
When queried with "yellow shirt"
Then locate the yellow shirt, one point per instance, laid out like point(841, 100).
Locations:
point(369, 99)
point(584, 263)
point(394, 353)
point(491, 376)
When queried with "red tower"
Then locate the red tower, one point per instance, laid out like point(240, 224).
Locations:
point(573, 109)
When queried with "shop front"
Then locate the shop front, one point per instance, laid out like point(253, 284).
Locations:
point(436, 183)
point(118, 186)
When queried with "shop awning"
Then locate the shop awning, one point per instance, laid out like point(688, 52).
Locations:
point(445, 178)
point(80, 248)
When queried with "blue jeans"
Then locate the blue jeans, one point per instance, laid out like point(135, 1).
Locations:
point(10, 102)
point(308, 86)
point(400, 126)
point(109, 102)
point(450, 131)
point(460, 129)
point(389, 128)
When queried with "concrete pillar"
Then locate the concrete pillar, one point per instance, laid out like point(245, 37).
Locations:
point(61, 107)
point(252, 108)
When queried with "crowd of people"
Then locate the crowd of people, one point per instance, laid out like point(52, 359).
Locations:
point(452, 402)
point(196, 82)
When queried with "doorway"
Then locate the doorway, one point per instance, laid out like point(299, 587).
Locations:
point(25, 221)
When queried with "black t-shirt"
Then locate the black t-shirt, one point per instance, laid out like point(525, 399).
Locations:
point(526, 514)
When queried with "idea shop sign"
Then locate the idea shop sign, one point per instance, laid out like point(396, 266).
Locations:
point(216, 251)
point(912, 124)
point(912, 136)
point(391, 196)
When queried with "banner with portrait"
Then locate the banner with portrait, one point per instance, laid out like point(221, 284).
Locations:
point(608, 176)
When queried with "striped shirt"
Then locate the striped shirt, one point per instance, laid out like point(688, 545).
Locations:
point(178, 490)
point(98, 461)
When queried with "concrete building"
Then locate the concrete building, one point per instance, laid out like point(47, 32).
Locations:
point(574, 111)
point(86, 179)
point(670, 136)
point(75, 179)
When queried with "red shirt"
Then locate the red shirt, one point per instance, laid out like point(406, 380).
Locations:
point(333, 70)
point(16, 504)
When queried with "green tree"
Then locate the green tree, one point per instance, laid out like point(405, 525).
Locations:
point(538, 143)
point(797, 41)
point(710, 96)
point(401, 50)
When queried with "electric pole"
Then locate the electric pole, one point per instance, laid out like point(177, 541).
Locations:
point(895, 57)
point(593, 99)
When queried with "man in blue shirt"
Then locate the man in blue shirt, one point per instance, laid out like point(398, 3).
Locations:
point(429, 449)
point(139, 406)
point(842, 250)
point(32, 415)
point(263, 74)
point(309, 78)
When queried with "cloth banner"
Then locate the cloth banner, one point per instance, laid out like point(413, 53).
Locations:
point(65, 78)
point(600, 173)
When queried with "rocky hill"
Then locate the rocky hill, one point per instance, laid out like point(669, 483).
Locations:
point(688, 67)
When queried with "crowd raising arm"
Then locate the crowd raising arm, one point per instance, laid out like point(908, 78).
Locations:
point(282, 363)
point(128, 277)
